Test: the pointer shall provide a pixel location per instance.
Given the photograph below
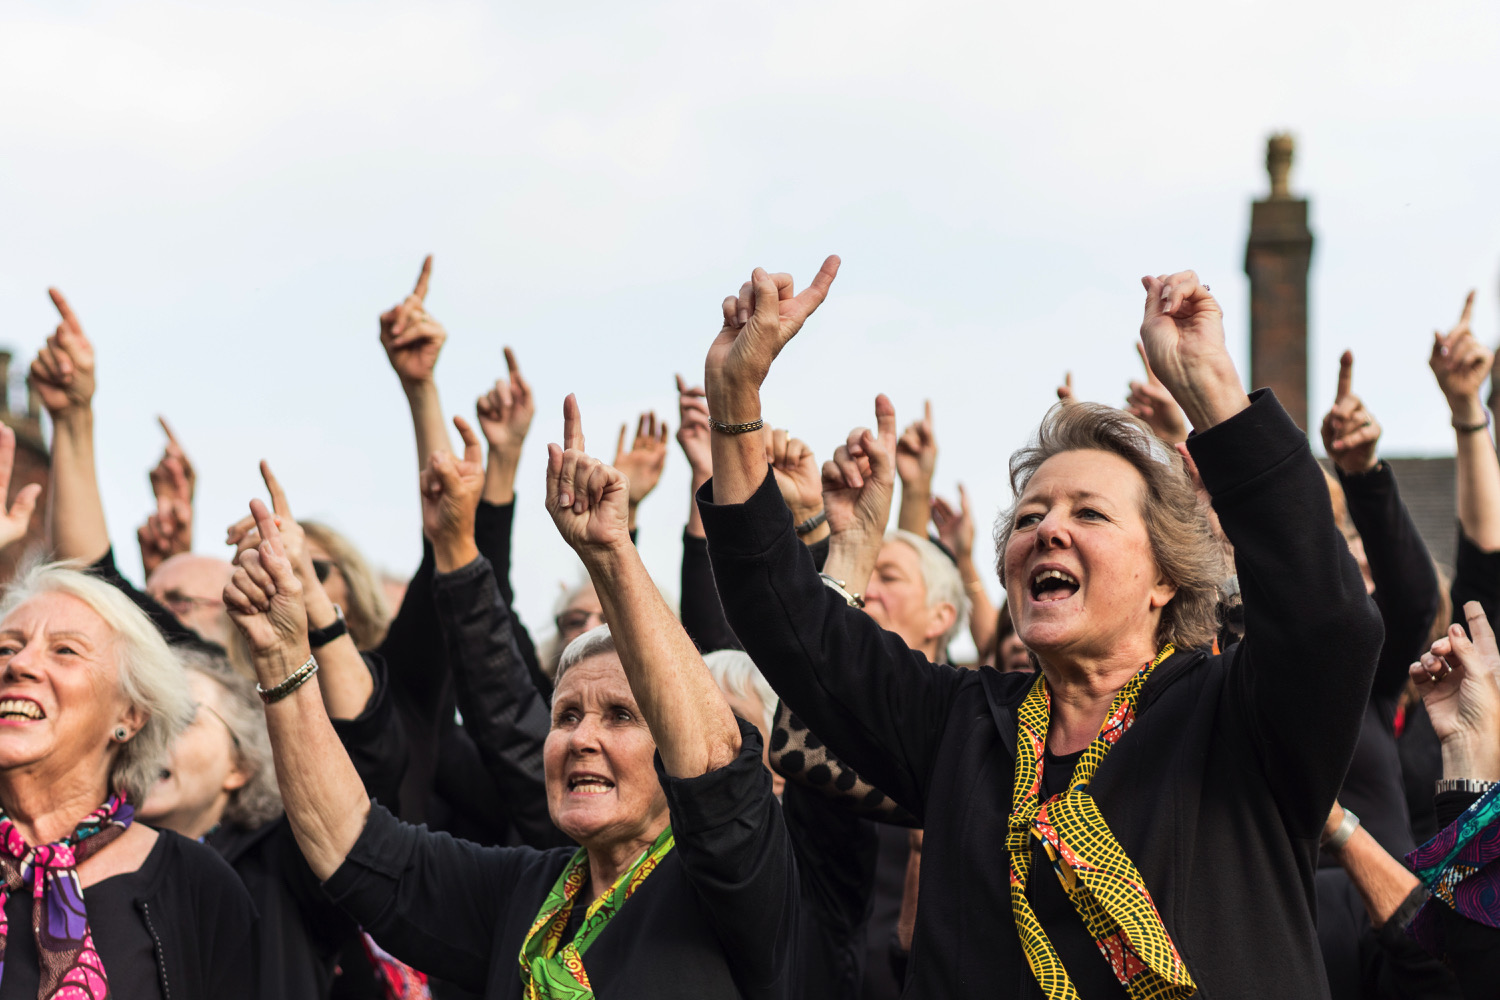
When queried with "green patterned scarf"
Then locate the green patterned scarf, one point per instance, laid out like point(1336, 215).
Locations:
point(550, 973)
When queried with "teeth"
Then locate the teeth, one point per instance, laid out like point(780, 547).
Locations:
point(22, 707)
point(1054, 574)
point(589, 786)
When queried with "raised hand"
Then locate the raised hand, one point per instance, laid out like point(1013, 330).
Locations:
point(63, 372)
point(860, 478)
point(1183, 335)
point(505, 411)
point(1065, 391)
point(411, 337)
point(916, 452)
point(14, 522)
point(693, 434)
point(955, 528)
point(169, 531)
point(264, 598)
point(1350, 433)
point(588, 500)
point(797, 474)
point(1461, 364)
point(758, 323)
point(451, 488)
point(643, 463)
point(244, 534)
point(1460, 684)
point(1151, 401)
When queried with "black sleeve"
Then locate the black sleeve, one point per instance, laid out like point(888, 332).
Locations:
point(502, 711)
point(1476, 577)
point(1395, 967)
point(373, 739)
point(493, 524)
point(168, 624)
point(880, 707)
point(412, 648)
point(1406, 585)
point(1306, 611)
point(733, 844)
point(428, 899)
point(702, 616)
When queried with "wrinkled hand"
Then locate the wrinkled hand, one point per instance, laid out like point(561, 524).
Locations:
point(796, 470)
point(264, 597)
point(1183, 336)
point(505, 411)
point(411, 337)
point(169, 531)
point(916, 452)
point(1460, 681)
point(14, 522)
point(63, 372)
point(451, 488)
point(693, 433)
point(758, 323)
point(1460, 362)
point(245, 534)
point(1151, 401)
point(643, 463)
point(860, 478)
point(588, 500)
point(955, 528)
point(1350, 432)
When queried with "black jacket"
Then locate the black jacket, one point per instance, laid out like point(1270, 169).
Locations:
point(1218, 793)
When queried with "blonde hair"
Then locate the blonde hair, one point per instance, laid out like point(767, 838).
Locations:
point(258, 801)
point(940, 578)
point(150, 674)
point(367, 615)
point(1176, 523)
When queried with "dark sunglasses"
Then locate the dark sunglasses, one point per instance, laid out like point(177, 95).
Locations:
point(322, 567)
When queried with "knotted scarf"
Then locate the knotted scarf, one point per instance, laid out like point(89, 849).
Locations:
point(1100, 880)
point(551, 974)
point(70, 967)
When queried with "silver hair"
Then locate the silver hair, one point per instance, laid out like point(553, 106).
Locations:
point(737, 674)
point(595, 642)
point(150, 674)
point(941, 579)
point(258, 801)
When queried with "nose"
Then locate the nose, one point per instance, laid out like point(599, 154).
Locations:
point(22, 665)
point(1052, 532)
point(585, 736)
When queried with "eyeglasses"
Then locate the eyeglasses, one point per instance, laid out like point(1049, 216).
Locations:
point(577, 620)
point(323, 568)
point(210, 710)
point(181, 603)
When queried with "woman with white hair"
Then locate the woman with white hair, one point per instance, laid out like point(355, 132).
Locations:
point(91, 698)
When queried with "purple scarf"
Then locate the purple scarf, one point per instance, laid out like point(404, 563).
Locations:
point(70, 967)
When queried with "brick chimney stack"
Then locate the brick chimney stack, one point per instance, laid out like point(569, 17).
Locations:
point(1277, 257)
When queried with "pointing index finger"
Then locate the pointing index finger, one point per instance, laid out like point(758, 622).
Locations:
point(273, 487)
point(572, 425)
point(423, 278)
point(64, 310)
point(1346, 375)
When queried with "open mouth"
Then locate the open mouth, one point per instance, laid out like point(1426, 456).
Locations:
point(589, 784)
point(1052, 585)
point(20, 710)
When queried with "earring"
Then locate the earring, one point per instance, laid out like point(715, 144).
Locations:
point(121, 734)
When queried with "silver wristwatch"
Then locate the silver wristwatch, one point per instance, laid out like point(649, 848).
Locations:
point(1462, 785)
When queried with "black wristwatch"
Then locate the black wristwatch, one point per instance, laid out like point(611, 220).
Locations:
point(317, 637)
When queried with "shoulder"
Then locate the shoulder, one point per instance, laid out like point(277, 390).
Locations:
point(197, 870)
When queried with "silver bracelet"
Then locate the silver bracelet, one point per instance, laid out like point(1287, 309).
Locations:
point(1341, 836)
point(293, 681)
point(838, 587)
point(1473, 785)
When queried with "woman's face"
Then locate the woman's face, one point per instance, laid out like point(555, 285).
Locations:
point(601, 782)
point(583, 612)
point(1013, 654)
point(329, 574)
point(203, 769)
point(1081, 579)
point(896, 596)
point(60, 697)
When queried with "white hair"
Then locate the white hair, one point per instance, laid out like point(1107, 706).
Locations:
point(258, 801)
point(151, 677)
point(595, 642)
point(940, 578)
point(737, 674)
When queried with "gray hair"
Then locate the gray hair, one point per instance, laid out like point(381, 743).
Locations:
point(736, 673)
point(151, 676)
point(940, 578)
point(595, 642)
point(258, 801)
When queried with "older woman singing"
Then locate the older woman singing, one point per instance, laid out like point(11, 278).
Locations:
point(684, 882)
point(1141, 818)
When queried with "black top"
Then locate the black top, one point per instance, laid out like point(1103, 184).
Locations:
point(715, 920)
point(179, 926)
point(1218, 793)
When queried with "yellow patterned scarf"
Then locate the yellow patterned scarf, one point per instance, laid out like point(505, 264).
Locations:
point(548, 973)
point(1100, 880)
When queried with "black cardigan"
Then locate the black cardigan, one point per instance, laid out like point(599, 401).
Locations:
point(715, 921)
point(1219, 792)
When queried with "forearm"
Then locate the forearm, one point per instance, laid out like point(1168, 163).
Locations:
point(1472, 755)
point(851, 559)
point(325, 801)
point(427, 420)
point(692, 724)
point(500, 476)
point(1382, 881)
point(1478, 476)
point(739, 460)
point(1212, 394)
point(695, 520)
point(983, 617)
point(916, 507)
point(75, 512)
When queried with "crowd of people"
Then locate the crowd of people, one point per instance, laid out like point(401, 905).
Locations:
point(1230, 731)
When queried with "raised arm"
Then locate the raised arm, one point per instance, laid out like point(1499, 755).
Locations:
point(1461, 364)
point(642, 464)
point(955, 529)
point(63, 375)
point(1151, 401)
point(169, 531)
point(504, 415)
point(694, 729)
point(413, 340)
point(15, 522)
point(916, 460)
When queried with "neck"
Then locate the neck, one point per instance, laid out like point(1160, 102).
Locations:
point(46, 808)
point(194, 824)
point(1082, 691)
point(607, 862)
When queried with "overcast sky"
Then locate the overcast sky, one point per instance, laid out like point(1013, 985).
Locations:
point(230, 196)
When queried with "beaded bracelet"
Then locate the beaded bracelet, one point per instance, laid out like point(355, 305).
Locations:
point(293, 681)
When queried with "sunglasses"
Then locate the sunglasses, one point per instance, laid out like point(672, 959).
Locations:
point(323, 568)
